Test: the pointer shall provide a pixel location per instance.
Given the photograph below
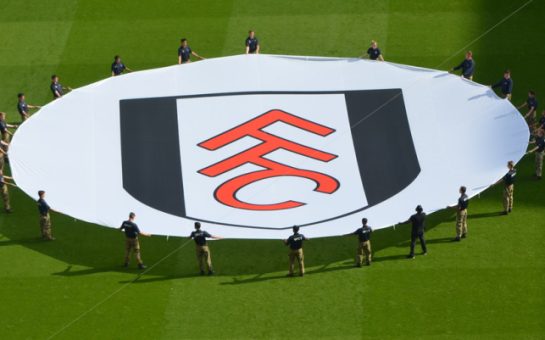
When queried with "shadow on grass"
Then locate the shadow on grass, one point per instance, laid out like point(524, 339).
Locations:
point(101, 250)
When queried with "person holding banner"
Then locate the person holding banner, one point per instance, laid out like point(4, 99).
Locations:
point(364, 243)
point(540, 152)
point(201, 248)
point(295, 242)
point(5, 193)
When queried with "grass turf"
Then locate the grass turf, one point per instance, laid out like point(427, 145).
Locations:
point(488, 286)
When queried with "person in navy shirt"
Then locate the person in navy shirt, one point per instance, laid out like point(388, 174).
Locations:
point(373, 52)
point(295, 243)
point(461, 214)
point(509, 186)
point(56, 88)
point(364, 243)
point(5, 193)
point(185, 52)
point(467, 66)
point(4, 128)
point(45, 220)
point(201, 248)
point(23, 107)
point(132, 231)
point(417, 231)
point(3, 154)
point(118, 67)
point(252, 44)
point(531, 103)
point(505, 85)
point(541, 122)
point(539, 149)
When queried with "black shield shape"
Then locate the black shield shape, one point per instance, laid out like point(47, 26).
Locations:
point(152, 165)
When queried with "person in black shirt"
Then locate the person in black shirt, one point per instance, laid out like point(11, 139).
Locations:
point(539, 149)
point(509, 186)
point(118, 67)
point(295, 243)
point(3, 154)
point(132, 231)
point(5, 193)
point(505, 85)
point(417, 231)
point(201, 248)
point(461, 214)
point(23, 107)
point(364, 243)
point(45, 220)
point(467, 66)
point(531, 103)
point(541, 122)
point(185, 52)
point(373, 52)
point(56, 88)
point(252, 44)
point(4, 128)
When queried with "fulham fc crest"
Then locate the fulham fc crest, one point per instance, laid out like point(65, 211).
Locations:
point(238, 157)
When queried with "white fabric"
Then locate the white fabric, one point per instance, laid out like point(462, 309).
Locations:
point(463, 135)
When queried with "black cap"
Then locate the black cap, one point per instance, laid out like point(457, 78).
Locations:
point(419, 208)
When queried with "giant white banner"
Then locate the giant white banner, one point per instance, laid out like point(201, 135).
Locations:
point(252, 145)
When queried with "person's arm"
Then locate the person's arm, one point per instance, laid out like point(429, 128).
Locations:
point(3, 152)
point(179, 59)
point(196, 55)
point(247, 50)
point(257, 49)
point(144, 234)
point(128, 69)
point(285, 242)
point(380, 57)
point(113, 74)
point(4, 143)
point(532, 110)
point(216, 237)
point(495, 85)
point(533, 150)
point(8, 183)
point(12, 126)
point(34, 106)
point(522, 106)
point(458, 67)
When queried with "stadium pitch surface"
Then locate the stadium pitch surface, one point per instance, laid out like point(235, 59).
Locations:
point(490, 285)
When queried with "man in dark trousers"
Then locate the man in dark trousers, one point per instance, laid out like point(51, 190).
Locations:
point(201, 248)
point(509, 187)
point(118, 67)
point(45, 220)
point(467, 66)
point(252, 44)
point(364, 243)
point(131, 242)
point(505, 85)
point(295, 242)
point(417, 231)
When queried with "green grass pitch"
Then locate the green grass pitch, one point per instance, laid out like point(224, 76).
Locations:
point(489, 286)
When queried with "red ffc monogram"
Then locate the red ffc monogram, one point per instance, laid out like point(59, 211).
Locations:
point(227, 191)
